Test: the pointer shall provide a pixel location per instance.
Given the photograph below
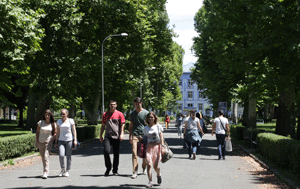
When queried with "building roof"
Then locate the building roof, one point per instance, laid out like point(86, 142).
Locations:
point(187, 67)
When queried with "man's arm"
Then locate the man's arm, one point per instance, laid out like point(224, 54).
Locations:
point(101, 132)
point(122, 132)
point(227, 127)
point(185, 128)
point(130, 131)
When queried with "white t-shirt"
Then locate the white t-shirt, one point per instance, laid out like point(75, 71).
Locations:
point(219, 128)
point(45, 131)
point(65, 129)
point(153, 133)
point(192, 124)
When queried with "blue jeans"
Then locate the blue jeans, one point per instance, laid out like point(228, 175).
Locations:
point(65, 148)
point(221, 144)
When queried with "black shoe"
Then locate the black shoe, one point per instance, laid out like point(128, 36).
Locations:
point(219, 158)
point(223, 158)
point(116, 174)
point(106, 173)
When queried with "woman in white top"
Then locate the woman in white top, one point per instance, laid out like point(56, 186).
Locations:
point(191, 135)
point(154, 135)
point(45, 134)
point(64, 137)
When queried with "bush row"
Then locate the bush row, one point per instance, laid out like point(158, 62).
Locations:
point(281, 150)
point(15, 146)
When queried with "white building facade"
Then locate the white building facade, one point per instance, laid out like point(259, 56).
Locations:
point(192, 98)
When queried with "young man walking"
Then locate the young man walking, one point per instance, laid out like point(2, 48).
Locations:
point(136, 128)
point(113, 123)
point(221, 125)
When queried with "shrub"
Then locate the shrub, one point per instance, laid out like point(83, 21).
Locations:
point(15, 146)
point(281, 150)
point(237, 132)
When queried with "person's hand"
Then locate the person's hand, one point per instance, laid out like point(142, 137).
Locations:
point(101, 139)
point(212, 134)
point(203, 133)
point(55, 145)
point(75, 142)
point(121, 137)
point(130, 140)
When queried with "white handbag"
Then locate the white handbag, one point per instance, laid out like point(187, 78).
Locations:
point(228, 145)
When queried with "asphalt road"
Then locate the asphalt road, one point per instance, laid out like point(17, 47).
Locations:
point(88, 169)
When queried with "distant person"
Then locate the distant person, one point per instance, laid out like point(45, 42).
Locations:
point(191, 134)
point(230, 121)
point(179, 121)
point(220, 125)
point(167, 121)
point(154, 133)
point(45, 135)
point(113, 122)
point(66, 130)
point(136, 132)
point(202, 123)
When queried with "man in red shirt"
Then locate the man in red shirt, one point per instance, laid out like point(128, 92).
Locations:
point(113, 122)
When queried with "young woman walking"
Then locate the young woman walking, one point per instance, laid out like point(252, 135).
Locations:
point(64, 139)
point(45, 134)
point(153, 132)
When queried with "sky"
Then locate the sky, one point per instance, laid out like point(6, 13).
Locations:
point(181, 14)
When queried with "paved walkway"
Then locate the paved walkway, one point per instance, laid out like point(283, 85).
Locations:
point(88, 169)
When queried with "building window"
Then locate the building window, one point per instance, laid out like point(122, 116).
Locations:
point(190, 105)
point(200, 94)
point(200, 107)
point(190, 94)
point(179, 106)
point(190, 83)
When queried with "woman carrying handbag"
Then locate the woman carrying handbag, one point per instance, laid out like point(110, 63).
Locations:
point(154, 134)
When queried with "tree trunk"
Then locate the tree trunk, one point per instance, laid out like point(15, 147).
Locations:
point(272, 112)
point(72, 112)
point(91, 107)
point(245, 114)
point(252, 112)
point(43, 103)
point(9, 113)
point(284, 124)
point(298, 127)
point(30, 122)
point(4, 113)
point(266, 112)
point(21, 124)
point(235, 116)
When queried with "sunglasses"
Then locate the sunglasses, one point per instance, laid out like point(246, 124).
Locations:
point(62, 114)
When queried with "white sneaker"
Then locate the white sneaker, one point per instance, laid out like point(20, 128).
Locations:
point(149, 185)
point(62, 172)
point(45, 175)
point(134, 176)
point(66, 174)
point(145, 171)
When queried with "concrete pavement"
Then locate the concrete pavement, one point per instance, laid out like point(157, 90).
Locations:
point(88, 169)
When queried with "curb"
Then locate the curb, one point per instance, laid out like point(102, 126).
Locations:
point(289, 182)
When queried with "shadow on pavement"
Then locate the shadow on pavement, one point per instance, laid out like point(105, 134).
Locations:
point(123, 186)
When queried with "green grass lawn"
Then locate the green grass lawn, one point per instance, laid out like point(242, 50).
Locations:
point(7, 129)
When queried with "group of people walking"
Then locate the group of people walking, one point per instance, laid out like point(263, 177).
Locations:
point(143, 126)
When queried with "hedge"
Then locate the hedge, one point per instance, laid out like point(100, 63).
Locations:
point(283, 151)
point(15, 146)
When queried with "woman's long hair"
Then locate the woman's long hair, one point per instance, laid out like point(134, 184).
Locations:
point(155, 118)
point(51, 116)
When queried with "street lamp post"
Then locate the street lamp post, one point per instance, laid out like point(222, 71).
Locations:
point(123, 35)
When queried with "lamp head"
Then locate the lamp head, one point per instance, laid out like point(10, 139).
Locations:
point(124, 34)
